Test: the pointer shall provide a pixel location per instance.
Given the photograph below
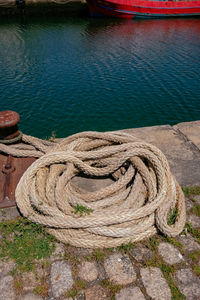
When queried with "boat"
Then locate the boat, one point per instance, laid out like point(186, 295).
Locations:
point(144, 8)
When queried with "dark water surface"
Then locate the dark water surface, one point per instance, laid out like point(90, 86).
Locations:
point(71, 75)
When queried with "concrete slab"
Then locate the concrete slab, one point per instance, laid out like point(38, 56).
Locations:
point(191, 130)
point(182, 154)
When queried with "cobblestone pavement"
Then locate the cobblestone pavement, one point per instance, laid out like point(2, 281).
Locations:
point(157, 268)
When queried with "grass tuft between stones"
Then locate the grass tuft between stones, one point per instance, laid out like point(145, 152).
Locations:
point(125, 248)
point(194, 190)
point(99, 254)
point(42, 288)
point(196, 269)
point(168, 271)
point(194, 255)
point(77, 288)
point(18, 285)
point(113, 288)
point(195, 232)
point(196, 210)
point(25, 242)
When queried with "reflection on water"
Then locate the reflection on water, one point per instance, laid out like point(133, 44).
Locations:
point(70, 75)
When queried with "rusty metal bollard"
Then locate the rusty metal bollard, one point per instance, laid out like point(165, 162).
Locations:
point(11, 168)
point(9, 132)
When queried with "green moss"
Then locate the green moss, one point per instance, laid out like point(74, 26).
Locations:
point(80, 284)
point(98, 255)
point(195, 255)
point(156, 261)
point(196, 269)
point(176, 293)
point(18, 285)
point(29, 242)
point(76, 289)
point(3, 213)
point(194, 190)
point(154, 242)
point(196, 210)
point(72, 293)
point(125, 248)
point(195, 232)
point(113, 288)
point(42, 288)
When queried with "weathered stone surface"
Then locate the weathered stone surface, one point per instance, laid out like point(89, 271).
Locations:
point(155, 284)
point(181, 154)
point(30, 296)
point(194, 220)
point(189, 204)
point(96, 293)
point(29, 281)
point(188, 283)
point(88, 271)
point(78, 251)
point(6, 267)
point(192, 131)
point(197, 198)
point(141, 253)
point(130, 293)
point(6, 288)
point(61, 278)
point(10, 213)
point(79, 297)
point(169, 253)
point(189, 242)
point(119, 269)
point(59, 252)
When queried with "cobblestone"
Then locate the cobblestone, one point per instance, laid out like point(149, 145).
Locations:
point(119, 269)
point(189, 204)
point(6, 288)
point(189, 242)
point(169, 253)
point(88, 271)
point(61, 278)
point(30, 296)
point(194, 220)
point(96, 293)
point(130, 293)
point(188, 283)
point(6, 267)
point(197, 198)
point(155, 284)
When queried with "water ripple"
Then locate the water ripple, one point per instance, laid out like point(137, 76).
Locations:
point(100, 74)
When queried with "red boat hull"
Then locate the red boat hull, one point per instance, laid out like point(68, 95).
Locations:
point(143, 8)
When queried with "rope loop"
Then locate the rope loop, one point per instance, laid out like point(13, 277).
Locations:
point(135, 205)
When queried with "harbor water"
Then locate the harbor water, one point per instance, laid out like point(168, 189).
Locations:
point(66, 75)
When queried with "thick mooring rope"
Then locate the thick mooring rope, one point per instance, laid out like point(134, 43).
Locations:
point(135, 206)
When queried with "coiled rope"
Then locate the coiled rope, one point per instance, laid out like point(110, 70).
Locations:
point(135, 206)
